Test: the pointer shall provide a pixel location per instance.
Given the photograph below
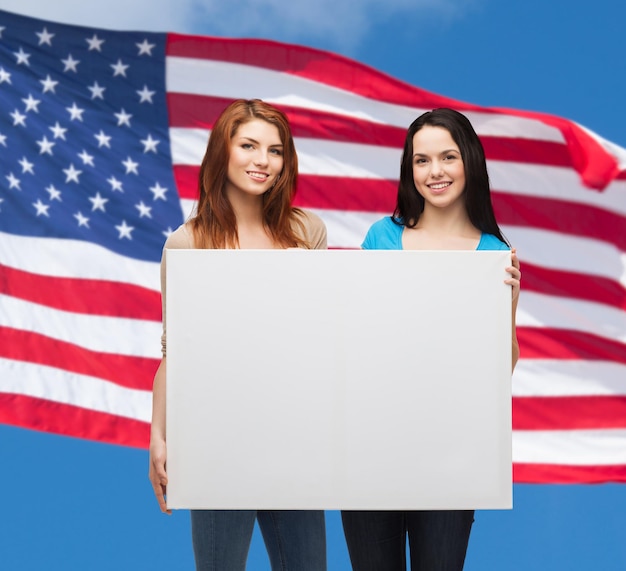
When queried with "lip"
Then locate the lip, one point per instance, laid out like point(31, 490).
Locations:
point(439, 190)
point(258, 176)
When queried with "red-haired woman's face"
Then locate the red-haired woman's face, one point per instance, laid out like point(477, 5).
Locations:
point(256, 159)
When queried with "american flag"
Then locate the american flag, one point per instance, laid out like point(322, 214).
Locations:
point(101, 137)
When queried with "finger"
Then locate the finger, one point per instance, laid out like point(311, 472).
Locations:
point(158, 479)
point(160, 493)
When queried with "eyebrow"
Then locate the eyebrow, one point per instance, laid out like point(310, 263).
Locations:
point(441, 153)
point(257, 143)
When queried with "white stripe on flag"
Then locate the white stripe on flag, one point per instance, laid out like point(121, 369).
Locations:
point(77, 390)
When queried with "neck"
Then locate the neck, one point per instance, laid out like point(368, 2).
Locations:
point(248, 209)
point(446, 221)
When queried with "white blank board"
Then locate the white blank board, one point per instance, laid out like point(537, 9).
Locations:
point(338, 380)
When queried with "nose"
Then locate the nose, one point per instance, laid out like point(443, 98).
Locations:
point(261, 158)
point(436, 169)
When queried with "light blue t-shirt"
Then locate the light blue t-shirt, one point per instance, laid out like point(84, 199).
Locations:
point(387, 235)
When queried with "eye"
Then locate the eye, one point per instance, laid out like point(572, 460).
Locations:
point(451, 157)
point(419, 161)
point(277, 152)
point(246, 146)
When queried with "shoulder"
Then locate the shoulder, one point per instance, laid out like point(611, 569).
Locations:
point(383, 234)
point(313, 227)
point(491, 242)
point(181, 238)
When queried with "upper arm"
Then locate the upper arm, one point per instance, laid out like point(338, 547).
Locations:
point(316, 235)
point(179, 239)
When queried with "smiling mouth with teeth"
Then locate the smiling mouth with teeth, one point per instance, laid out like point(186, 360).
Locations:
point(259, 175)
point(439, 185)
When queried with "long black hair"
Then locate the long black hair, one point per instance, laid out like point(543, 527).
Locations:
point(410, 203)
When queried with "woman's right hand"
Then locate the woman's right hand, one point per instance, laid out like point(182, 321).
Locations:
point(157, 473)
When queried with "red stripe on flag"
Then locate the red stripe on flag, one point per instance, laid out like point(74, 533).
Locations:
point(92, 297)
point(575, 285)
point(350, 194)
point(582, 220)
point(550, 343)
point(123, 370)
point(518, 150)
point(49, 416)
point(564, 474)
point(569, 413)
point(316, 65)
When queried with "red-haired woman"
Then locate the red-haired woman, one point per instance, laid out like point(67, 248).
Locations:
point(247, 182)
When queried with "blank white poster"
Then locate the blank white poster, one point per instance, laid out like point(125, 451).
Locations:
point(338, 379)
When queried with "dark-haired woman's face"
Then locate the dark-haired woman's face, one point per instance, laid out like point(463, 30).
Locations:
point(256, 159)
point(438, 170)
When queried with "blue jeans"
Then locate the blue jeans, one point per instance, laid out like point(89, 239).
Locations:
point(437, 539)
point(295, 540)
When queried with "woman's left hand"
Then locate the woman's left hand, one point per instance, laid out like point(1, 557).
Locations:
point(516, 275)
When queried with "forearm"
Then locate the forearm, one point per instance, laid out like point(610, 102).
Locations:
point(514, 352)
point(157, 428)
point(515, 344)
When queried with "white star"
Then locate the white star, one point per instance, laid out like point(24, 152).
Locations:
point(168, 232)
point(4, 76)
point(48, 84)
point(145, 94)
point(18, 118)
point(86, 158)
point(70, 63)
point(143, 210)
point(123, 118)
point(45, 146)
point(42, 209)
point(150, 144)
point(94, 43)
point(145, 47)
point(2, 28)
point(22, 57)
point(3, 140)
point(116, 185)
point(58, 131)
point(1, 199)
point(82, 220)
point(96, 91)
point(54, 193)
point(75, 112)
point(45, 37)
point(13, 182)
point(103, 140)
point(124, 230)
point(119, 68)
point(27, 167)
point(98, 202)
point(131, 166)
point(158, 191)
point(31, 103)
point(72, 174)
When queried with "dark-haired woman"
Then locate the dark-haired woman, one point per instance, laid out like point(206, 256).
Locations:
point(443, 203)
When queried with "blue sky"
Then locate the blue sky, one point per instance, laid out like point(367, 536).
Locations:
point(70, 504)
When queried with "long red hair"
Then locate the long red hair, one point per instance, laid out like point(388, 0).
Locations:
point(215, 224)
